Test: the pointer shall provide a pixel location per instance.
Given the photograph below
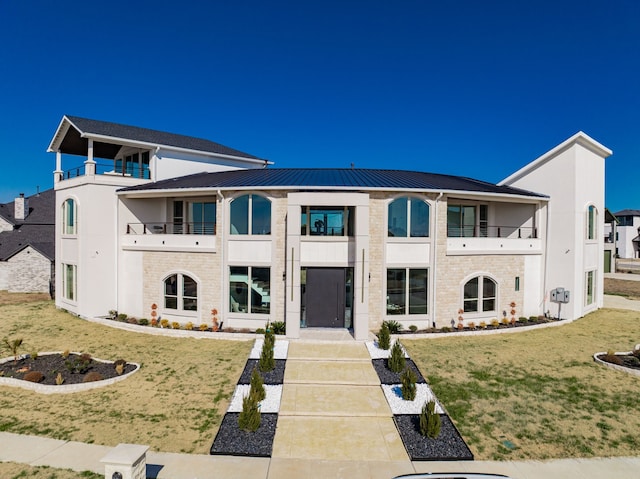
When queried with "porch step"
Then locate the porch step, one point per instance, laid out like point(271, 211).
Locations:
point(336, 372)
point(348, 351)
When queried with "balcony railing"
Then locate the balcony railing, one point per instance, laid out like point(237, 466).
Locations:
point(182, 228)
point(108, 169)
point(526, 232)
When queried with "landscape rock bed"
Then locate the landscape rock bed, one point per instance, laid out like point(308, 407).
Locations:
point(448, 446)
point(389, 377)
point(232, 441)
point(275, 376)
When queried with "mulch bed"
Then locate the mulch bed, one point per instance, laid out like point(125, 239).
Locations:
point(448, 446)
point(628, 360)
point(389, 377)
point(489, 327)
point(232, 441)
point(52, 364)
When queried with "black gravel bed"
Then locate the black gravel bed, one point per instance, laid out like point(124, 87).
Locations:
point(232, 441)
point(52, 364)
point(448, 446)
point(389, 377)
point(276, 376)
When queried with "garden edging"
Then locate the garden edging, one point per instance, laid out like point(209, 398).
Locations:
point(635, 372)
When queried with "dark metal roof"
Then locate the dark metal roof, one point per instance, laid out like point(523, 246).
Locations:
point(318, 178)
point(628, 213)
point(75, 144)
point(36, 230)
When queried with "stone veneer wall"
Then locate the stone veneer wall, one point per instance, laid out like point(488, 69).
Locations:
point(451, 272)
point(28, 272)
point(278, 259)
point(377, 236)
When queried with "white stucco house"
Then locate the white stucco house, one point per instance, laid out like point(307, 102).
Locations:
point(147, 217)
point(627, 234)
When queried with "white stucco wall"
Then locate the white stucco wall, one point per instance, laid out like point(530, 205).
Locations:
point(168, 164)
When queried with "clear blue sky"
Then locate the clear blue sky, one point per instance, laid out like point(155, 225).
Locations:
point(473, 88)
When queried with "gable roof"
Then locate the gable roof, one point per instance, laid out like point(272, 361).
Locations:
point(36, 230)
point(73, 133)
point(335, 178)
point(628, 213)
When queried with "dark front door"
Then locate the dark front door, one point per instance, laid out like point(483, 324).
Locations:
point(325, 297)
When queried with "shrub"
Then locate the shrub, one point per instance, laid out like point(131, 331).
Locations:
point(257, 385)
point(612, 358)
point(175, 325)
point(188, 326)
point(445, 329)
point(266, 362)
point(523, 319)
point(132, 321)
point(483, 324)
point(413, 328)
point(92, 377)
point(384, 336)
point(396, 361)
point(504, 321)
point(495, 323)
point(460, 326)
point(65, 354)
point(122, 317)
point(154, 322)
point(430, 421)
point(203, 327)
point(260, 331)
point(119, 366)
point(59, 379)
point(408, 388)
point(472, 325)
point(143, 322)
point(249, 418)
point(113, 314)
point(394, 326)
point(79, 364)
point(279, 327)
point(13, 346)
point(533, 319)
point(34, 355)
point(164, 323)
point(33, 376)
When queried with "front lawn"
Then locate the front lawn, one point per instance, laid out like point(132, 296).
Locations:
point(539, 394)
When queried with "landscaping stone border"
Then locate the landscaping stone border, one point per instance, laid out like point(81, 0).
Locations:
point(634, 372)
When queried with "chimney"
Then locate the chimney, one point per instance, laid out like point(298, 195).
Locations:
point(21, 207)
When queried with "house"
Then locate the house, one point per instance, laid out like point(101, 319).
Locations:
point(27, 239)
point(627, 234)
point(188, 225)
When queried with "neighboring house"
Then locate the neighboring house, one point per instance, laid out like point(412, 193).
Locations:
point(27, 240)
point(610, 232)
point(627, 234)
point(191, 226)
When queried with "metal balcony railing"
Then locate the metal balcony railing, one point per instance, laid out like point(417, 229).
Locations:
point(182, 228)
point(481, 231)
point(108, 168)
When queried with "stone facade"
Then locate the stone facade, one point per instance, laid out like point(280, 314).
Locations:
point(377, 235)
point(27, 272)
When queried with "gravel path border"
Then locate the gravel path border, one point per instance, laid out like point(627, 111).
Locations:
point(448, 446)
point(275, 376)
point(232, 441)
point(387, 376)
point(393, 393)
point(270, 404)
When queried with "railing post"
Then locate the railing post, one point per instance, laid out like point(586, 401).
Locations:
point(499, 233)
point(144, 229)
point(128, 228)
point(519, 233)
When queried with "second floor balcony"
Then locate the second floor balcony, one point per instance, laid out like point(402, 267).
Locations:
point(166, 236)
point(492, 239)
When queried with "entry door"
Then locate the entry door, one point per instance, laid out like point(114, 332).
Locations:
point(325, 297)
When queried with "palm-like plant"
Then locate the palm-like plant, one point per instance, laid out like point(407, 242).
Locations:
point(13, 346)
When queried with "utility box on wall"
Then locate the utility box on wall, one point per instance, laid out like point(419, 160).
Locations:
point(560, 295)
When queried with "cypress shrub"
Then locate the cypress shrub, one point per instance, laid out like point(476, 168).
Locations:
point(396, 361)
point(249, 418)
point(408, 387)
point(257, 385)
point(430, 421)
point(266, 362)
point(384, 336)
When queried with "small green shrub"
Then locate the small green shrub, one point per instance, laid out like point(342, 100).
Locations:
point(13, 346)
point(79, 364)
point(384, 337)
point(533, 319)
point(92, 377)
point(33, 376)
point(257, 385)
point(408, 388)
point(267, 362)
point(495, 323)
point(143, 322)
point(260, 331)
point(204, 327)
point(279, 327)
point(445, 329)
point(249, 418)
point(394, 326)
point(65, 354)
point(188, 326)
point(122, 317)
point(175, 325)
point(396, 361)
point(34, 355)
point(430, 421)
point(413, 328)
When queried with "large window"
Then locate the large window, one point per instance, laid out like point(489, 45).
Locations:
point(480, 295)
point(592, 216)
point(408, 217)
point(200, 217)
point(69, 213)
point(134, 164)
point(180, 293)
point(467, 220)
point(327, 221)
point(249, 289)
point(250, 215)
point(407, 291)
point(589, 296)
point(69, 281)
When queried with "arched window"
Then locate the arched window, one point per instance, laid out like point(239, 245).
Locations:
point(180, 293)
point(69, 214)
point(250, 215)
point(408, 217)
point(480, 295)
point(592, 217)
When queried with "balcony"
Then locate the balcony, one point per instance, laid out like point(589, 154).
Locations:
point(489, 240)
point(107, 168)
point(184, 236)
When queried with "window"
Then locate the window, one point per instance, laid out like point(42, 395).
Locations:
point(69, 213)
point(249, 290)
point(467, 221)
point(250, 214)
point(590, 288)
point(408, 217)
point(69, 277)
point(592, 217)
point(200, 220)
point(479, 295)
point(327, 221)
point(135, 165)
point(180, 293)
point(407, 291)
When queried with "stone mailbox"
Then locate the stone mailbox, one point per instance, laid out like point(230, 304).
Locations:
point(126, 461)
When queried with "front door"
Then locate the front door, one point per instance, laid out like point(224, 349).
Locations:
point(325, 297)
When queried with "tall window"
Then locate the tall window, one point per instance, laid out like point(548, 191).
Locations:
point(407, 291)
point(327, 221)
point(408, 217)
point(592, 216)
point(250, 215)
point(480, 295)
point(249, 289)
point(467, 221)
point(200, 219)
point(69, 213)
point(180, 293)
point(134, 164)
point(69, 272)
point(589, 296)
